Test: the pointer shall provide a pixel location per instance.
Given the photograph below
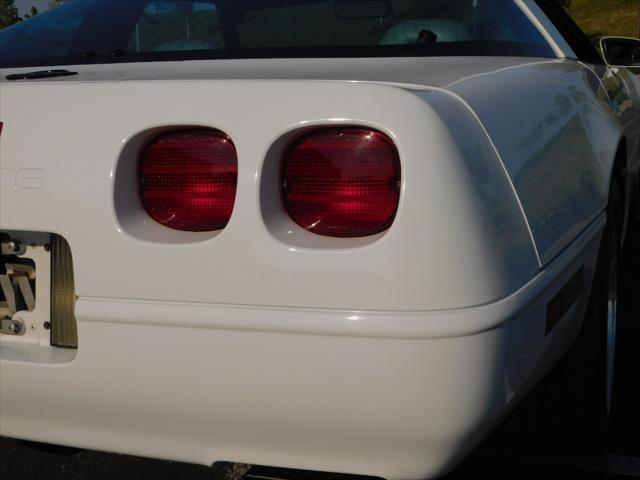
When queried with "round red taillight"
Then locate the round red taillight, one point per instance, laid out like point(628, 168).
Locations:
point(188, 179)
point(342, 182)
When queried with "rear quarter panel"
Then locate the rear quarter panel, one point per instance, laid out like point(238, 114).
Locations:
point(557, 137)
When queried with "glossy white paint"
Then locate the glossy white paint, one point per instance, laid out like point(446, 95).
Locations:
point(392, 355)
point(478, 226)
point(400, 396)
point(415, 71)
point(558, 149)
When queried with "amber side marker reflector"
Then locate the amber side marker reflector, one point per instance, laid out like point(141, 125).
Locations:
point(564, 300)
point(64, 331)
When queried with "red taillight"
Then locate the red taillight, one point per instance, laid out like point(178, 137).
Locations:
point(342, 182)
point(188, 179)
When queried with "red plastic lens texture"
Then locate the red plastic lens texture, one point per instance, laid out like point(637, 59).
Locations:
point(188, 179)
point(342, 182)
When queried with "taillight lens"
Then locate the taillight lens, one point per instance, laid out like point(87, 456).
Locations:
point(342, 182)
point(188, 179)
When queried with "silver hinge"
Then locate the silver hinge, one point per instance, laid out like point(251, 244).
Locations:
point(9, 326)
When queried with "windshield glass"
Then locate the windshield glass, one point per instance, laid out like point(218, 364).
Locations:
point(102, 31)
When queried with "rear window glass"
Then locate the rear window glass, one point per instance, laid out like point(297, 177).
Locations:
point(177, 26)
point(100, 31)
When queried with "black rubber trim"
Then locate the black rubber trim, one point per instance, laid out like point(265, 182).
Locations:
point(564, 300)
point(40, 74)
point(453, 49)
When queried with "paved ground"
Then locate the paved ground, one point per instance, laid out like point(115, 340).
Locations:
point(24, 461)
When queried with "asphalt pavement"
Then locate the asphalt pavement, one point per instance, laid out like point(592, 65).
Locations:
point(26, 461)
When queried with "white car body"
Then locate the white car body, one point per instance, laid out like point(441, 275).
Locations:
point(391, 356)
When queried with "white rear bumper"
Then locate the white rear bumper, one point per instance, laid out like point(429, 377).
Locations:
point(395, 395)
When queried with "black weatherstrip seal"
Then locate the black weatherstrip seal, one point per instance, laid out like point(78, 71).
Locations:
point(40, 74)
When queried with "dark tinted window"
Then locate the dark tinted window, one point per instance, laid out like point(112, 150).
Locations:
point(177, 26)
point(98, 31)
point(47, 35)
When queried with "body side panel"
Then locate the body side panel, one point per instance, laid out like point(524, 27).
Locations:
point(558, 139)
